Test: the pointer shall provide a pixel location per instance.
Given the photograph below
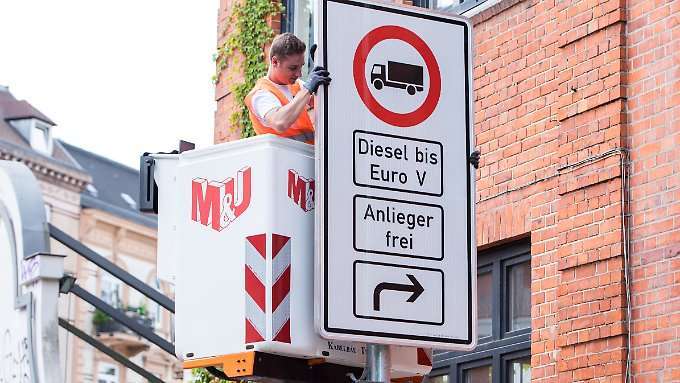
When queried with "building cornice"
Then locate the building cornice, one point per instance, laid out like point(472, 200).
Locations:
point(45, 169)
point(117, 222)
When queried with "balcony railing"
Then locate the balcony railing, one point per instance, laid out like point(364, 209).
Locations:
point(105, 324)
point(126, 344)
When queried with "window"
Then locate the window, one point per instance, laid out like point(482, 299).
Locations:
point(519, 296)
point(454, 6)
point(482, 374)
point(519, 370)
point(444, 4)
point(484, 304)
point(503, 322)
point(154, 308)
point(107, 373)
point(36, 132)
point(129, 200)
point(48, 212)
point(503, 293)
point(40, 137)
point(439, 379)
point(299, 20)
point(111, 290)
point(92, 190)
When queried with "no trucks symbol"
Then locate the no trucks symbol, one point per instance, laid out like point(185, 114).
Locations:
point(395, 73)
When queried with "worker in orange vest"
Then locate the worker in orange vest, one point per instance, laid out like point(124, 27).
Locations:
point(280, 103)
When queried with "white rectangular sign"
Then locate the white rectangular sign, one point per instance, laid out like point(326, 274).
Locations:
point(411, 229)
point(397, 163)
point(373, 298)
point(395, 209)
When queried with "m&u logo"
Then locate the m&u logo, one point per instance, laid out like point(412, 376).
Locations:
point(301, 190)
point(219, 203)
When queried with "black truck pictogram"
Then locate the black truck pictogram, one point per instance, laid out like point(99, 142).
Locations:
point(398, 75)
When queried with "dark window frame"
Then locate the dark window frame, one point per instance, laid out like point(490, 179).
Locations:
point(463, 367)
point(502, 346)
point(505, 314)
point(288, 25)
point(482, 270)
point(436, 374)
point(288, 16)
point(509, 358)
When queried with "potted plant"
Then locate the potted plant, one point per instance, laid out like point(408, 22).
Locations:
point(104, 323)
point(140, 314)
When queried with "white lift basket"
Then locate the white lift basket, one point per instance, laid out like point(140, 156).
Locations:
point(236, 238)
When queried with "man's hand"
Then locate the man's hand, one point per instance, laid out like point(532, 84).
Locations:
point(318, 76)
point(282, 118)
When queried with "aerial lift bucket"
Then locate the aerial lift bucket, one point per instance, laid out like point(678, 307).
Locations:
point(236, 238)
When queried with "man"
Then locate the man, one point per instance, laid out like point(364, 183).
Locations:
point(279, 102)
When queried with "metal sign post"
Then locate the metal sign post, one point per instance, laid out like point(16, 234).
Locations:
point(395, 193)
point(378, 363)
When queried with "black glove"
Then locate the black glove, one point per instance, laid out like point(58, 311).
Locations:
point(312, 50)
point(318, 76)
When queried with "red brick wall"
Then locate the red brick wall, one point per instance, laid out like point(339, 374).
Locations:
point(562, 89)
point(224, 131)
point(225, 103)
point(549, 121)
point(653, 51)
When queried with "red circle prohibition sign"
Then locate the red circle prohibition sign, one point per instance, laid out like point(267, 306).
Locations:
point(403, 120)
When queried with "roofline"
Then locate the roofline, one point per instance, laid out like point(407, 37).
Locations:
point(31, 153)
point(68, 147)
point(87, 201)
point(68, 154)
point(47, 120)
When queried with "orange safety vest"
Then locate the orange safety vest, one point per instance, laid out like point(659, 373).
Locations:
point(301, 130)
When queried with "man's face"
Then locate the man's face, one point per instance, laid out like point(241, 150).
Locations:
point(287, 70)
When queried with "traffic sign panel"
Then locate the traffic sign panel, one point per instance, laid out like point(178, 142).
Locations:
point(411, 229)
point(397, 163)
point(407, 76)
point(396, 243)
point(383, 291)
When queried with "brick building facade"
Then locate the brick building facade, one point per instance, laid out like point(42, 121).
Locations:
point(577, 116)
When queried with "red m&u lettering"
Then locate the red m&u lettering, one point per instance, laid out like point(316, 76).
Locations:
point(301, 190)
point(219, 203)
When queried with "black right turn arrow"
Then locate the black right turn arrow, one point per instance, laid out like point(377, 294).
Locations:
point(415, 287)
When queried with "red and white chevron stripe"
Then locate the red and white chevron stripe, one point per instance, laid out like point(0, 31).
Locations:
point(424, 357)
point(257, 288)
point(255, 276)
point(281, 288)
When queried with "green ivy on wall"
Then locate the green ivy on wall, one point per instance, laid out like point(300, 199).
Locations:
point(201, 375)
point(248, 37)
point(244, 49)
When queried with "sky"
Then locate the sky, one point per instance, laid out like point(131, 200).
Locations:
point(118, 77)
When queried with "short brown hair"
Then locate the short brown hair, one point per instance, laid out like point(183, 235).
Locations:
point(286, 44)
